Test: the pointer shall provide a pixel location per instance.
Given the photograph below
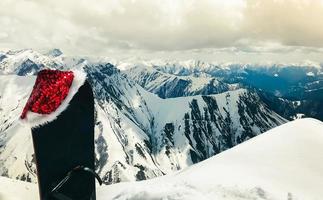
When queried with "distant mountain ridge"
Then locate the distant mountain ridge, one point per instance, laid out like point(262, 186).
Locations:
point(170, 86)
point(289, 90)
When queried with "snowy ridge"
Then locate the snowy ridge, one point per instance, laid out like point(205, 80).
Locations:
point(198, 67)
point(29, 62)
point(24, 62)
point(169, 85)
point(269, 166)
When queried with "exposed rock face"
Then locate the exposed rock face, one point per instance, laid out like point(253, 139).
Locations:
point(55, 53)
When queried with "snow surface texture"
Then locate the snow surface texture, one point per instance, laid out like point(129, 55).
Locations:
point(17, 190)
point(284, 163)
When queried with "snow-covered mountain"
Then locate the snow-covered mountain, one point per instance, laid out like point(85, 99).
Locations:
point(138, 134)
point(175, 133)
point(170, 86)
point(288, 89)
point(28, 62)
point(293, 81)
point(16, 150)
point(283, 163)
point(24, 62)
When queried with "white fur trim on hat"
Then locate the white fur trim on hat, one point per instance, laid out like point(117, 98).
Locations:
point(36, 119)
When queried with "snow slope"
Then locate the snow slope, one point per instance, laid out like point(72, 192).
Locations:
point(15, 141)
point(17, 190)
point(284, 163)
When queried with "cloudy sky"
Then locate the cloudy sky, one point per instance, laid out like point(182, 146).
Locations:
point(225, 30)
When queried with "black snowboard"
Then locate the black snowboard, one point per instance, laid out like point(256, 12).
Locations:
point(64, 144)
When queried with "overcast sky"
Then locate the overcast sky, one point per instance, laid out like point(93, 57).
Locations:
point(228, 30)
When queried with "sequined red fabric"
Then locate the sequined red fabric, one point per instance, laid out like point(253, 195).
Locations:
point(50, 89)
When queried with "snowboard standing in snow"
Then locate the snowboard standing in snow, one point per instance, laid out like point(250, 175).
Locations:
point(60, 111)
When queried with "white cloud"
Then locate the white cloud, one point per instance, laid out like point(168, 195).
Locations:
point(99, 27)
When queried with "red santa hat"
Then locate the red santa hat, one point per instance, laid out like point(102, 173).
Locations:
point(51, 95)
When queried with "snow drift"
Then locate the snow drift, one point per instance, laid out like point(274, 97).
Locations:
point(283, 163)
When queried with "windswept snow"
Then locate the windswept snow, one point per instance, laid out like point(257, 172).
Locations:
point(283, 163)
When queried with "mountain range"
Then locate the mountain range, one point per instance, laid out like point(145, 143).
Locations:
point(288, 89)
point(154, 119)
